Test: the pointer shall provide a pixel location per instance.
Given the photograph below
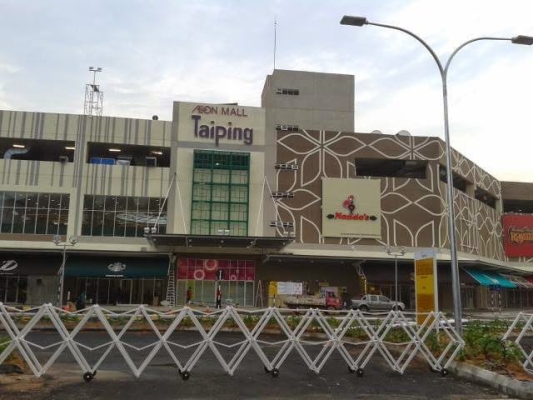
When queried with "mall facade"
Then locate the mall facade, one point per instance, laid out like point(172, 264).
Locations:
point(232, 198)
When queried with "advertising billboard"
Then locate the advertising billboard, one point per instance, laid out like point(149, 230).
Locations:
point(518, 235)
point(351, 208)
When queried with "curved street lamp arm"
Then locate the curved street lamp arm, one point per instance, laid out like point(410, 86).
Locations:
point(447, 66)
point(428, 48)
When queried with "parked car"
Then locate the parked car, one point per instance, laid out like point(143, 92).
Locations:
point(376, 302)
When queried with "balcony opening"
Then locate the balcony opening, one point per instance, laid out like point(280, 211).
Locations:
point(391, 168)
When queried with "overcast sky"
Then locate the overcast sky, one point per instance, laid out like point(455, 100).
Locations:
point(154, 52)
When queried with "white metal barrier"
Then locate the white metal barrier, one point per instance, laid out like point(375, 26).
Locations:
point(313, 334)
point(523, 323)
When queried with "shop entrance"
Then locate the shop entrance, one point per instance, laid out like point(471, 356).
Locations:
point(13, 289)
point(119, 290)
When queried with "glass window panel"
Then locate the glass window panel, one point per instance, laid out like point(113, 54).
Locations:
point(18, 220)
point(239, 194)
point(86, 223)
point(44, 200)
point(121, 205)
point(201, 192)
point(143, 204)
point(88, 202)
point(239, 177)
point(202, 175)
point(65, 201)
point(221, 176)
point(154, 205)
point(200, 210)
point(220, 193)
point(110, 202)
point(55, 201)
point(239, 212)
point(200, 227)
point(97, 222)
point(132, 203)
point(220, 211)
point(30, 220)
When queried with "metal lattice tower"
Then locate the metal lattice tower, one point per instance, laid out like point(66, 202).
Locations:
point(94, 97)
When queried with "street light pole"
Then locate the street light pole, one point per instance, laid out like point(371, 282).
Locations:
point(72, 241)
point(401, 252)
point(526, 40)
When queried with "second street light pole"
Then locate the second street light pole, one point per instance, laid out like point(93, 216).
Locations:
point(72, 241)
point(526, 40)
point(401, 252)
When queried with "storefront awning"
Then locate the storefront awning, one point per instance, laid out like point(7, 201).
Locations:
point(490, 279)
point(218, 241)
point(12, 264)
point(519, 281)
point(116, 267)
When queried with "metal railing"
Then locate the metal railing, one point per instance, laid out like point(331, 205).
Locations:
point(273, 334)
point(520, 328)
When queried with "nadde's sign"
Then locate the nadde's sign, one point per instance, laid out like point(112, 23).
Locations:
point(351, 207)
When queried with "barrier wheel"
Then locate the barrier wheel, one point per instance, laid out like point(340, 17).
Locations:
point(87, 377)
point(360, 372)
point(185, 375)
point(444, 372)
point(275, 372)
point(351, 370)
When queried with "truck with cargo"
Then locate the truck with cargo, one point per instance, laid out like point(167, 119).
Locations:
point(326, 301)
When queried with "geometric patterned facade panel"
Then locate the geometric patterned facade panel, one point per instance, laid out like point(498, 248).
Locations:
point(414, 211)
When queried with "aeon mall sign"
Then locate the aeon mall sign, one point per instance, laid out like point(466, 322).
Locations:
point(218, 132)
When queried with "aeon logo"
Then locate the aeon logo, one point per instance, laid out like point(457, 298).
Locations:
point(231, 111)
point(8, 265)
point(218, 132)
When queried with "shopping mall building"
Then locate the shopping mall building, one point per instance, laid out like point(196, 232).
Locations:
point(240, 197)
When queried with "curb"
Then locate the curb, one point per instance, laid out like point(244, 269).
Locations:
point(506, 385)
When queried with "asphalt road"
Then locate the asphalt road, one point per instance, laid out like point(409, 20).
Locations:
point(208, 380)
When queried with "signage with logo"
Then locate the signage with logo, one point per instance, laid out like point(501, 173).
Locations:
point(425, 284)
point(219, 124)
point(8, 267)
point(117, 270)
point(351, 208)
point(518, 235)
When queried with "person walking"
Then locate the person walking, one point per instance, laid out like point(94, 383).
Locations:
point(80, 301)
point(188, 296)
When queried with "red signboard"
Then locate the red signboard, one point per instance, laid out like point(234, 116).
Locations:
point(518, 235)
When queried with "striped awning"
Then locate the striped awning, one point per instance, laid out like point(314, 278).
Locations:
point(490, 279)
point(519, 281)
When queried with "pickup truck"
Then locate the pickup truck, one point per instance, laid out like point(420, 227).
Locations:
point(376, 302)
point(329, 301)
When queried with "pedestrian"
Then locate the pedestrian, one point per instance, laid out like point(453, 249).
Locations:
point(219, 298)
point(189, 296)
point(80, 301)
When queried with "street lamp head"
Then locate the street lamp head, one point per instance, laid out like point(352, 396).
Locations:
point(354, 21)
point(520, 39)
point(56, 239)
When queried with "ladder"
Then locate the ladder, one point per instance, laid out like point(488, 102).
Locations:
point(258, 302)
point(171, 286)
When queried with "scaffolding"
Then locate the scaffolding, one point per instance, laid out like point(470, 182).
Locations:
point(94, 97)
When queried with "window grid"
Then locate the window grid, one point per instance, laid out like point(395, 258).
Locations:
point(220, 193)
point(34, 213)
point(122, 216)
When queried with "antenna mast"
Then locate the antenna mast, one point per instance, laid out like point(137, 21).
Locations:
point(275, 40)
point(94, 98)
